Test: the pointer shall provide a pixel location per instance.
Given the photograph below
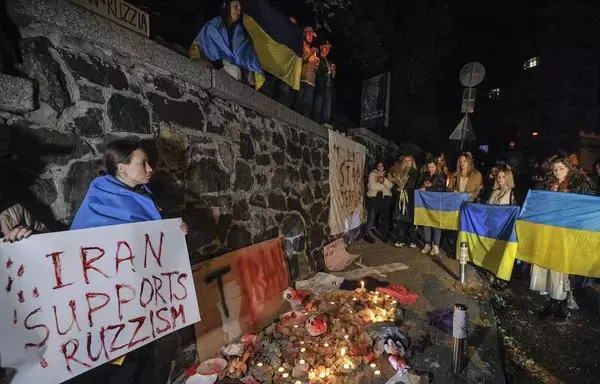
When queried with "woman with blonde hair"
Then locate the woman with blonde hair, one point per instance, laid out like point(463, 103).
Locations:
point(503, 192)
point(405, 177)
point(466, 178)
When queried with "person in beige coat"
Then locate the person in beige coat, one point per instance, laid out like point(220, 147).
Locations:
point(466, 178)
point(379, 195)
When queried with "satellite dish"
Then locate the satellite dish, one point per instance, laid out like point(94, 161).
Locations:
point(472, 74)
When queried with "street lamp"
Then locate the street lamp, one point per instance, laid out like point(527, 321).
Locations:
point(534, 134)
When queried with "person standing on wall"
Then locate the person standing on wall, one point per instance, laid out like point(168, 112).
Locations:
point(405, 177)
point(121, 196)
point(379, 195)
point(310, 63)
point(434, 180)
point(324, 89)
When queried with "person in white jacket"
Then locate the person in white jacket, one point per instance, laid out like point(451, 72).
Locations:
point(379, 196)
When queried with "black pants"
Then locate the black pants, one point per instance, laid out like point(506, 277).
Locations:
point(406, 232)
point(378, 206)
point(322, 105)
point(285, 94)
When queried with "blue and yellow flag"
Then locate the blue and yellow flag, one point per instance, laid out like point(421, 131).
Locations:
point(489, 231)
point(561, 231)
point(278, 42)
point(438, 209)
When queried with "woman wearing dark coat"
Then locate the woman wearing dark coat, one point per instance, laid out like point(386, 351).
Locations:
point(405, 178)
point(433, 181)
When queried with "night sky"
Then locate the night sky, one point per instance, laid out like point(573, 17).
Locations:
point(423, 43)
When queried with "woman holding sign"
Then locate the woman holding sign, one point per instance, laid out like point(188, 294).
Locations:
point(121, 196)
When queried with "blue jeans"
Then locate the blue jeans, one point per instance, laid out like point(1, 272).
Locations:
point(304, 99)
point(322, 105)
point(437, 235)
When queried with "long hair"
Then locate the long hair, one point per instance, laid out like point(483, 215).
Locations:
point(508, 174)
point(574, 176)
point(469, 158)
point(119, 152)
point(433, 160)
point(226, 13)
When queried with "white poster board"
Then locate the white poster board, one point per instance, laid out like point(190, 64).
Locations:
point(71, 301)
point(346, 182)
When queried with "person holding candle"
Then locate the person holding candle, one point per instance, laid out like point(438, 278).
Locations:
point(379, 195)
point(433, 181)
point(405, 176)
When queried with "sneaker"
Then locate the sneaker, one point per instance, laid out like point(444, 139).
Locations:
point(412, 245)
point(398, 245)
point(426, 249)
point(435, 250)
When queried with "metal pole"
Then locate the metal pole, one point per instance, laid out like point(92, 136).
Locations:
point(462, 134)
point(464, 254)
point(460, 330)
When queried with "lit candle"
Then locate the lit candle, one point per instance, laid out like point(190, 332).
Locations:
point(302, 343)
point(377, 372)
point(281, 369)
point(394, 302)
point(296, 326)
point(298, 382)
point(285, 375)
point(342, 351)
point(376, 293)
point(326, 345)
point(362, 285)
point(302, 361)
point(259, 364)
point(332, 302)
point(303, 350)
point(375, 299)
point(373, 365)
point(350, 311)
point(322, 375)
point(346, 366)
point(346, 337)
point(354, 299)
point(387, 296)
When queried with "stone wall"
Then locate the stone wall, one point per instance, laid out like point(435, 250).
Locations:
point(237, 166)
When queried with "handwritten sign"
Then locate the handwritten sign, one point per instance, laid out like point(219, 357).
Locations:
point(74, 300)
point(346, 173)
point(240, 292)
point(120, 12)
point(336, 257)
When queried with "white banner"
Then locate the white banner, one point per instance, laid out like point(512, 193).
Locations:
point(71, 301)
point(346, 182)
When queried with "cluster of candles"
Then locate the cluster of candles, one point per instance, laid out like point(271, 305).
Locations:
point(380, 308)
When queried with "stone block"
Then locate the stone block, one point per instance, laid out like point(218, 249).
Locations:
point(292, 225)
point(77, 181)
point(316, 237)
point(307, 196)
point(279, 178)
point(206, 175)
point(256, 133)
point(278, 157)
point(258, 201)
point(202, 226)
point(279, 141)
point(167, 86)
point(293, 174)
point(294, 204)
point(316, 175)
point(128, 115)
point(239, 237)
point(91, 94)
point(185, 113)
point(241, 211)
point(277, 202)
point(91, 124)
point(264, 160)
point(37, 148)
point(246, 147)
point(304, 174)
point(95, 70)
point(261, 179)
point(243, 177)
point(16, 94)
point(267, 234)
point(318, 192)
point(294, 150)
point(40, 66)
point(44, 190)
point(306, 157)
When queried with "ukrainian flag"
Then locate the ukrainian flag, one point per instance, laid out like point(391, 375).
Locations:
point(561, 231)
point(278, 42)
point(438, 209)
point(489, 231)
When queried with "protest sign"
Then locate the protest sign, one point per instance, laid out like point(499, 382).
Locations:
point(336, 257)
point(74, 300)
point(239, 292)
point(346, 182)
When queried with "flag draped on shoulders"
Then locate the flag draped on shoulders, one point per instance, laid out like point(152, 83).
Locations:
point(489, 231)
point(278, 41)
point(561, 231)
point(438, 209)
point(213, 41)
point(110, 202)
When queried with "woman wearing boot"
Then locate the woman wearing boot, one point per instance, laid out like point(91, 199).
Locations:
point(434, 181)
point(562, 177)
point(379, 195)
point(405, 176)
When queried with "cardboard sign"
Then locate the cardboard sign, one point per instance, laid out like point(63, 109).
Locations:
point(74, 300)
point(336, 257)
point(120, 12)
point(240, 292)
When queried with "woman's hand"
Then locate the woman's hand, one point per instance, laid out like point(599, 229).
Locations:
point(422, 189)
point(184, 227)
point(18, 233)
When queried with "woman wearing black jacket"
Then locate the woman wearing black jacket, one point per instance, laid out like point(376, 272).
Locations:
point(433, 181)
point(405, 177)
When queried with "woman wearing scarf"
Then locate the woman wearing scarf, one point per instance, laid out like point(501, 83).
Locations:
point(563, 177)
point(120, 197)
point(434, 181)
point(405, 177)
point(503, 192)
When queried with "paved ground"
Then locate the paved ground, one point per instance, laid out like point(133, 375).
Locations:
point(435, 279)
point(547, 351)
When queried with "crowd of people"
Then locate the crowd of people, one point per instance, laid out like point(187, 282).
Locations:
point(225, 42)
point(390, 208)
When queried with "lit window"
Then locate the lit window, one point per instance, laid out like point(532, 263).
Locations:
point(494, 93)
point(533, 62)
